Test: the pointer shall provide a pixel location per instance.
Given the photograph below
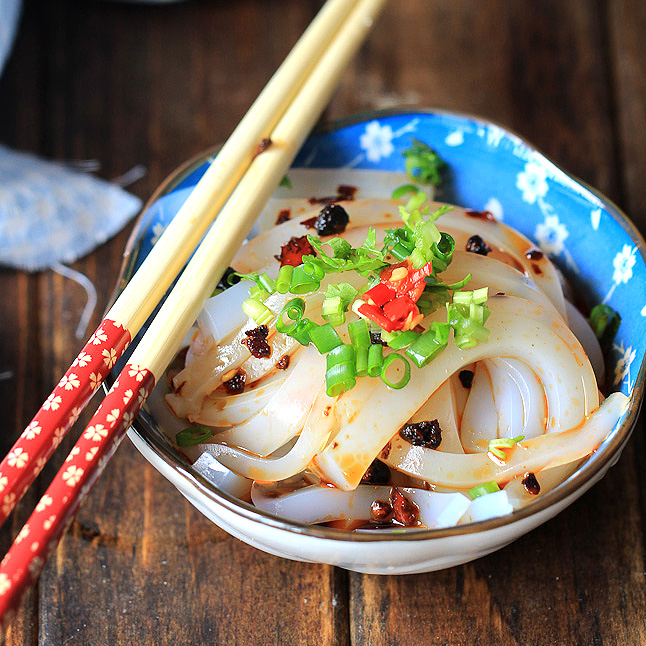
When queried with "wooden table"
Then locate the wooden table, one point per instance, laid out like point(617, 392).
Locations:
point(153, 85)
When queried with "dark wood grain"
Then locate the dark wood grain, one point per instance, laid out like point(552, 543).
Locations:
point(154, 85)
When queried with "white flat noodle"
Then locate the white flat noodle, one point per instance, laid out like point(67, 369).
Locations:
point(441, 406)
point(222, 314)
point(318, 504)
point(490, 505)
point(284, 415)
point(588, 340)
point(498, 276)
point(532, 455)
point(312, 439)
point(547, 480)
point(519, 398)
point(223, 410)
point(518, 329)
point(480, 417)
point(323, 182)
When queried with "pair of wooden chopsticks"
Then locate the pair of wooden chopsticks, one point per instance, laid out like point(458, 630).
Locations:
point(235, 188)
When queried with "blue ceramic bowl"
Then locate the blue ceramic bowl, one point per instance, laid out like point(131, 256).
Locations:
point(590, 239)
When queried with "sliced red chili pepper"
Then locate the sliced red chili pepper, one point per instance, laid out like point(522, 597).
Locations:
point(375, 314)
point(380, 294)
point(400, 311)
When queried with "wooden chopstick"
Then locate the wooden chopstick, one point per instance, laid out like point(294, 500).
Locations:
point(41, 533)
point(124, 319)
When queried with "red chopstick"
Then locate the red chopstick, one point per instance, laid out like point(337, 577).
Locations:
point(39, 537)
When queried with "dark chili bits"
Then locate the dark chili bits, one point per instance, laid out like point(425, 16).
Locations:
point(257, 343)
point(427, 434)
point(332, 220)
point(475, 244)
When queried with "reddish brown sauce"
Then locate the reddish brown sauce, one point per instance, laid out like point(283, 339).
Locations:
point(536, 269)
point(534, 254)
point(427, 434)
point(344, 193)
point(293, 251)
point(256, 342)
point(405, 511)
point(385, 452)
point(481, 215)
point(283, 216)
point(531, 484)
point(283, 362)
point(377, 473)
point(236, 384)
point(475, 244)
point(381, 511)
point(466, 378)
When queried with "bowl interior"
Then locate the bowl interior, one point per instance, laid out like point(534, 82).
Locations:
point(592, 242)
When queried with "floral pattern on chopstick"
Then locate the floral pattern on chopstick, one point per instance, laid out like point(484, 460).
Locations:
point(59, 412)
point(39, 537)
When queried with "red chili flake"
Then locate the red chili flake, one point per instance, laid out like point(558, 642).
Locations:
point(427, 433)
point(292, 253)
point(405, 511)
point(534, 254)
point(481, 215)
point(257, 343)
point(346, 193)
point(236, 384)
point(466, 378)
point(381, 511)
point(536, 269)
point(283, 216)
point(475, 244)
point(385, 452)
point(377, 473)
point(531, 484)
point(263, 145)
point(310, 223)
point(283, 362)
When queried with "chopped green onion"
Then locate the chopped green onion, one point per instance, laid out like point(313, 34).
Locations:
point(402, 191)
point(340, 375)
point(302, 282)
point(401, 251)
point(375, 359)
point(429, 344)
point(361, 361)
point(314, 270)
point(605, 323)
point(496, 445)
point(325, 338)
point(286, 182)
point(258, 292)
point(268, 284)
point(483, 489)
point(359, 334)
point(332, 310)
point(284, 279)
point(294, 310)
point(193, 435)
point(303, 331)
point(405, 378)
point(258, 311)
point(403, 340)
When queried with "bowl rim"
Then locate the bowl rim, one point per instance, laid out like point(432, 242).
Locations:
point(585, 473)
